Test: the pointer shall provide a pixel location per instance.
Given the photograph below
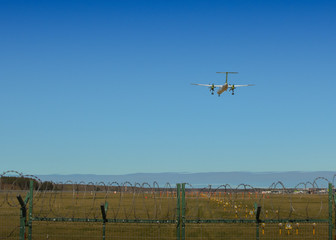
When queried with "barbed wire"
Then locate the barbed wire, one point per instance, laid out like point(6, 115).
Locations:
point(125, 200)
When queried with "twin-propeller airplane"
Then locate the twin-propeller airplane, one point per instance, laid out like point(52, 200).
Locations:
point(224, 87)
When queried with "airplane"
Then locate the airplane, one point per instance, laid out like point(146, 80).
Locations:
point(224, 87)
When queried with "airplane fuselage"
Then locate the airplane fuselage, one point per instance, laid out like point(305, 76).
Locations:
point(223, 89)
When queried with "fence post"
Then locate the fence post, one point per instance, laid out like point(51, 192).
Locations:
point(23, 213)
point(30, 211)
point(178, 212)
point(103, 209)
point(257, 211)
point(183, 211)
point(330, 193)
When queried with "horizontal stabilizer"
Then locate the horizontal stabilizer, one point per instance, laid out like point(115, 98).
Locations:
point(226, 72)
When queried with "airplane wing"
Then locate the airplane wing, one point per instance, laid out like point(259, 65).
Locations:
point(246, 85)
point(207, 85)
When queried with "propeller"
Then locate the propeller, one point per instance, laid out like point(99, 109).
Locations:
point(212, 88)
point(232, 89)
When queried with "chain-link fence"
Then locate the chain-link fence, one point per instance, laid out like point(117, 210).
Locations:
point(32, 209)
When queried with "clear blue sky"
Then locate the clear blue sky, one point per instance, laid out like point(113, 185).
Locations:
point(103, 87)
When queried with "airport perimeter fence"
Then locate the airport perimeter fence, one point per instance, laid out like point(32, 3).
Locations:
point(32, 209)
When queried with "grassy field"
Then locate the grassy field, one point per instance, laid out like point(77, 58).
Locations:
point(142, 204)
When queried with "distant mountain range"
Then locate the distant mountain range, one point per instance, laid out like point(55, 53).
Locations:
point(255, 179)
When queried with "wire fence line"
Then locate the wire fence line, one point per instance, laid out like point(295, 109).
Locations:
point(77, 210)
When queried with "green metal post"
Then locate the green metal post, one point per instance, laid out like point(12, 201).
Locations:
point(104, 226)
point(257, 231)
point(22, 225)
point(178, 212)
point(183, 211)
point(23, 213)
point(30, 212)
point(330, 193)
